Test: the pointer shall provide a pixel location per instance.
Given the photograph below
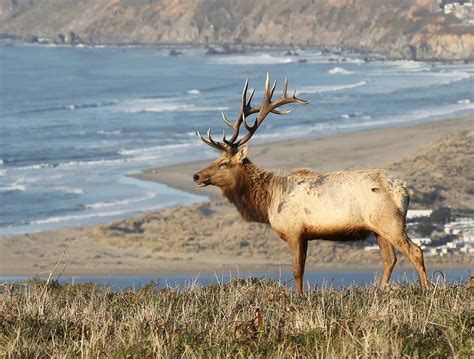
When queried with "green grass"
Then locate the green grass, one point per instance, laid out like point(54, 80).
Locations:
point(243, 318)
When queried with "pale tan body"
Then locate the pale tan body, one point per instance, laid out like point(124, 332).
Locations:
point(305, 205)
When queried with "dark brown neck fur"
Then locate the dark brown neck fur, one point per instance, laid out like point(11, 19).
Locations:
point(252, 192)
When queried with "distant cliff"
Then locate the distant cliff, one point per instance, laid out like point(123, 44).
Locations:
point(397, 29)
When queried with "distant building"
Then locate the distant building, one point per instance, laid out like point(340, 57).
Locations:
point(418, 213)
point(462, 9)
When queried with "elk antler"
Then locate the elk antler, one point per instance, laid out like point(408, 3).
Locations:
point(231, 145)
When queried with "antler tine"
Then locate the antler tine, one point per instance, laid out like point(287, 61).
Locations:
point(227, 122)
point(244, 93)
point(211, 142)
point(285, 88)
point(250, 98)
point(266, 96)
point(272, 90)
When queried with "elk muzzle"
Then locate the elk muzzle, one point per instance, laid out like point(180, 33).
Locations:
point(201, 180)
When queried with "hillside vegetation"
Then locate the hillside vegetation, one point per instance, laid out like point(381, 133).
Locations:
point(404, 29)
point(441, 173)
point(245, 318)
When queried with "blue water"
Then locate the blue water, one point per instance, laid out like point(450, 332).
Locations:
point(312, 280)
point(75, 121)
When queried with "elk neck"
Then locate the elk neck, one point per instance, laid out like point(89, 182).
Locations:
point(252, 192)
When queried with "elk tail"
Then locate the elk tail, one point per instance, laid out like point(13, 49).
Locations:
point(400, 194)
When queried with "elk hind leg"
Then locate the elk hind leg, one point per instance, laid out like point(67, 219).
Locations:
point(389, 258)
point(396, 235)
point(299, 248)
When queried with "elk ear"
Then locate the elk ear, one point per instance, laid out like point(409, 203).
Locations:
point(242, 154)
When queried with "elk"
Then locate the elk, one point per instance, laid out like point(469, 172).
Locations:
point(305, 205)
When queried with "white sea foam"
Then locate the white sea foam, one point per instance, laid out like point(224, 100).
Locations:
point(3, 173)
point(194, 92)
point(124, 202)
point(32, 167)
point(1, 162)
point(330, 88)
point(410, 66)
point(339, 71)
point(464, 102)
point(439, 112)
point(253, 59)
point(68, 189)
point(156, 149)
point(345, 116)
point(13, 187)
point(165, 105)
point(71, 164)
point(78, 217)
point(109, 133)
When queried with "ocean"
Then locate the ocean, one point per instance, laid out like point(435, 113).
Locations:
point(75, 122)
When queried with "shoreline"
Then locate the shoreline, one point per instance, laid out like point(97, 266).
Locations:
point(365, 54)
point(210, 237)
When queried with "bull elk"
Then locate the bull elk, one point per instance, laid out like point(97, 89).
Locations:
point(305, 205)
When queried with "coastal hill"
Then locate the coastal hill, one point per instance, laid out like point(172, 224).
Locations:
point(418, 30)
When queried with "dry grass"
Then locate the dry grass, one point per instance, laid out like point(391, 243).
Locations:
point(244, 318)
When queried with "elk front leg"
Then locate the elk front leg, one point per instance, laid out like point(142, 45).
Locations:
point(298, 247)
point(389, 259)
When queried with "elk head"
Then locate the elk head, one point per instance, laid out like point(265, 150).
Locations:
point(224, 171)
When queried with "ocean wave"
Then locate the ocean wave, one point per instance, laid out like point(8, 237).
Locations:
point(1, 162)
point(67, 107)
point(155, 149)
point(124, 202)
point(257, 59)
point(347, 116)
point(71, 164)
point(193, 92)
point(339, 71)
point(109, 133)
point(448, 77)
point(165, 105)
point(67, 189)
point(13, 187)
point(439, 112)
point(78, 217)
point(31, 167)
point(330, 88)
point(410, 66)
point(464, 102)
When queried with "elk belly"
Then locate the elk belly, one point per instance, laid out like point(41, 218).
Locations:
point(336, 233)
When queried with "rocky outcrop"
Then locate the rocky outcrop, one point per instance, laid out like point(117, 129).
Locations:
point(400, 30)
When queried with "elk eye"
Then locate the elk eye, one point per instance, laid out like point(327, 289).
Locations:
point(224, 164)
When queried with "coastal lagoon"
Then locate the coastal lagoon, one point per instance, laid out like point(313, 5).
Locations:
point(76, 121)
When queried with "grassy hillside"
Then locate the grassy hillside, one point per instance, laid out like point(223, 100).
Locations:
point(245, 318)
point(441, 173)
point(398, 29)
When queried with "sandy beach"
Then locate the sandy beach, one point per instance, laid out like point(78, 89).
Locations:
point(210, 236)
